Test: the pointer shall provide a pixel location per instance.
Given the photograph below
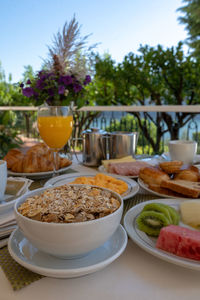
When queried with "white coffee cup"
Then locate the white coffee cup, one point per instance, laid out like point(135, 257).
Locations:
point(183, 150)
point(3, 178)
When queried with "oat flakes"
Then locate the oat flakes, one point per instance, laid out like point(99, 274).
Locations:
point(69, 204)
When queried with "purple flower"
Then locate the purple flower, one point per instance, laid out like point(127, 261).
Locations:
point(21, 85)
point(40, 84)
point(87, 79)
point(42, 75)
point(51, 92)
point(66, 80)
point(61, 89)
point(28, 92)
point(28, 81)
point(77, 87)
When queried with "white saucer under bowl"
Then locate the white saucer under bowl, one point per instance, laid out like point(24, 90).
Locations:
point(31, 258)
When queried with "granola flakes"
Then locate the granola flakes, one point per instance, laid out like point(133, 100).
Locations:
point(69, 204)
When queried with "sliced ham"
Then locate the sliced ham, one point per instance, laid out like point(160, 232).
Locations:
point(127, 168)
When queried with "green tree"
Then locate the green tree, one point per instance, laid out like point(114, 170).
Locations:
point(154, 77)
point(191, 20)
point(8, 133)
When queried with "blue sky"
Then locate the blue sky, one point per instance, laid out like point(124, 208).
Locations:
point(119, 26)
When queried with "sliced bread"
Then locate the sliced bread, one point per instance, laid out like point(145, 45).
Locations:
point(183, 187)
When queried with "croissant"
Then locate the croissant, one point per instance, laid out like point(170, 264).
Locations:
point(38, 158)
point(13, 156)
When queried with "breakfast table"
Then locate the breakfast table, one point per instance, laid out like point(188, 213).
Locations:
point(135, 274)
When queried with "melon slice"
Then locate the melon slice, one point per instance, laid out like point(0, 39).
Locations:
point(180, 241)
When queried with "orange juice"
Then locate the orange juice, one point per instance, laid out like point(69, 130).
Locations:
point(55, 130)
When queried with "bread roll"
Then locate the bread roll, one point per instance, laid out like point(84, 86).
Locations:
point(153, 176)
point(171, 167)
point(188, 175)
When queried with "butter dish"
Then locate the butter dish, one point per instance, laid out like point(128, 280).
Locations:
point(17, 185)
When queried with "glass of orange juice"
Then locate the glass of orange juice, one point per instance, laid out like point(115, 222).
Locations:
point(55, 125)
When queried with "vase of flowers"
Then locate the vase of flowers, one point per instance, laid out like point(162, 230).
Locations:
point(65, 73)
point(55, 87)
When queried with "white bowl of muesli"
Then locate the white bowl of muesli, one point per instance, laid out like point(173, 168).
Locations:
point(70, 220)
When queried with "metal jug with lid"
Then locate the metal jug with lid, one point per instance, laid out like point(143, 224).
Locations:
point(94, 146)
point(122, 143)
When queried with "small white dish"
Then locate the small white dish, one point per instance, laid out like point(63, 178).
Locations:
point(133, 187)
point(148, 243)
point(31, 258)
point(145, 187)
point(38, 175)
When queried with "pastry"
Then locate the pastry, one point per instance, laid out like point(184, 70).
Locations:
point(38, 158)
point(171, 167)
point(153, 176)
point(188, 175)
point(13, 156)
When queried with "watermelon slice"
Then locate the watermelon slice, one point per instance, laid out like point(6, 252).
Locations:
point(180, 241)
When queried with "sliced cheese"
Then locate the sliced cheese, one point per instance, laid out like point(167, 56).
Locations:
point(117, 160)
point(190, 212)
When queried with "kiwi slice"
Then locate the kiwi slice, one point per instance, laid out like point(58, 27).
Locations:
point(157, 207)
point(173, 213)
point(151, 222)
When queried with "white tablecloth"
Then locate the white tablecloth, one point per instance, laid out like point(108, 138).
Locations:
point(134, 275)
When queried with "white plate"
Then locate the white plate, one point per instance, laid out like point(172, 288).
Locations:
point(145, 187)
point(148, 243)
point(133, 187)
point(31, 258)
point(166, 156)
point(38, 175)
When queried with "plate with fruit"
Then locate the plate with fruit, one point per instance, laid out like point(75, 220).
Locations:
point(167, 229)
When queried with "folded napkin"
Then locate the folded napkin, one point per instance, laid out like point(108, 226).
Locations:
point(16, 186)
point(7, 225)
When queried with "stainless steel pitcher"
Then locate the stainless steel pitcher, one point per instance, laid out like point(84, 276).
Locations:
point(122, 143)
point(94, 146)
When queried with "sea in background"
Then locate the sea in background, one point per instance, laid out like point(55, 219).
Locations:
point(187, 131)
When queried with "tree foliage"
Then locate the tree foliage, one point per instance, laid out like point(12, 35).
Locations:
point(191, 20)
point(156, 76)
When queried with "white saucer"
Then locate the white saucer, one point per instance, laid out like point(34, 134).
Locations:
point(31, 258)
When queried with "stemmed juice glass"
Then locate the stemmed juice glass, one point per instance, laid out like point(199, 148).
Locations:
point(55, 125)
